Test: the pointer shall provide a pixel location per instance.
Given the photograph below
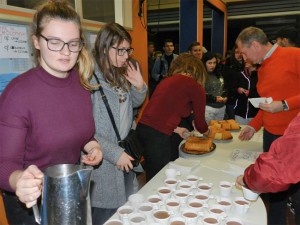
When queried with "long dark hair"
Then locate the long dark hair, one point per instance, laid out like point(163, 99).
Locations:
point(108, 36)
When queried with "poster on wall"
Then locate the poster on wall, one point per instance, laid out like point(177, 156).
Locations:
point(13, 42)
point(15, 52)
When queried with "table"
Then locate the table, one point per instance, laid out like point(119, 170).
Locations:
point(219, 165)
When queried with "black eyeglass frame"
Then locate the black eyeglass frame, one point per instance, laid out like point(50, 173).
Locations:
point(121, 51)
point(65, 43)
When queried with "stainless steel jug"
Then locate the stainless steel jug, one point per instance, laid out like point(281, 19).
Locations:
point(65, 196)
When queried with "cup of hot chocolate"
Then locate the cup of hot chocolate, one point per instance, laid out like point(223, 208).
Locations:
point(113, 222)
point(177, 220)
point(124, 212)
point(137, 219)
point(173, 205)
point(249, 194)
point(164, 192)
point(241, 205)
point(210, 219)
point(162, 216)
point(234, 221)
point(205, 187)
point(225, 188)
point(226, 203)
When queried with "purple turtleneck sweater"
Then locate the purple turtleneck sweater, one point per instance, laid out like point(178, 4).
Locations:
point(44, 120)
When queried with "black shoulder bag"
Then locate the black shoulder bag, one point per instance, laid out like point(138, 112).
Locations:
point(131, 144)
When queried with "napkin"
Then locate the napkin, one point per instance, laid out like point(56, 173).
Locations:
point(184, 165)
point(255, 101)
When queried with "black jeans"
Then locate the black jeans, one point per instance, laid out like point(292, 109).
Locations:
point(157, 152)
point(277, 201)
point(16, 211)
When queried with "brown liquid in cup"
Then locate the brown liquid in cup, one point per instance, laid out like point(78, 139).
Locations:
point(173, 204)
point(181, 194)
point(211, 220)
point(114, 223)
point(177, 223)
point(233, 223)
point(171, 182)
point(185, 186)
point(225, 185)
point(154, 200)
point(164, 191)
point(125, 211)
point(192, 179)
point(204, 187)
point(224, 203)
point(217, 211)
point(145, 208)
point(201, 197)
point(137, 219)
point(161, 215)
point(240, 202)
point(190, 214)
point(196, 204)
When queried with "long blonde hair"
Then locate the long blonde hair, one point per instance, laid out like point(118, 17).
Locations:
point(186, 63)
point(61, 9)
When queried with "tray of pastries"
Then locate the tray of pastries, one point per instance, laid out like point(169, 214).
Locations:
point(218, 133)
point(198, 145)
point(231, 125)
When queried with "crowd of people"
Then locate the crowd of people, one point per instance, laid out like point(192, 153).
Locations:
point(186, 91)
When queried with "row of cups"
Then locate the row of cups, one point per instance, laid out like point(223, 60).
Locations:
point(193, 181)
point(173, 211)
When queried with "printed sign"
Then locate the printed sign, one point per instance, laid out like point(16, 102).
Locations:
point(13, 42)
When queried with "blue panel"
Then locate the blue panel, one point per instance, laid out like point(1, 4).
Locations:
point(188, 23)
point(217, 39)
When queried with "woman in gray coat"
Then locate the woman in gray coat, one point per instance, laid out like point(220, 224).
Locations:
point(125, 89)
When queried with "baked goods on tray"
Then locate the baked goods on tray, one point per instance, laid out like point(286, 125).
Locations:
point(226, 124)
point(218, 133)
point(198, 145)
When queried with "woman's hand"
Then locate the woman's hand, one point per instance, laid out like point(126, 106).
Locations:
point(28, 184)
point(134, 76)
point(182, 132)
point(124, 162)
point(94, 154)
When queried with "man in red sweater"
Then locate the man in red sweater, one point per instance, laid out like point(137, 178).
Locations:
point(279, 78)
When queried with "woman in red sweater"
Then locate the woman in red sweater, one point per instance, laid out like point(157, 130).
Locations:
point(174, 99)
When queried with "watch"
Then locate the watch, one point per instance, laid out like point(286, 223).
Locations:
point(284, 105)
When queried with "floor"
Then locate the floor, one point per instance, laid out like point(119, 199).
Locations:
point(290, 216)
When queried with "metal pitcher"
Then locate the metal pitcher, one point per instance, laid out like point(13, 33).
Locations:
point(65, 196)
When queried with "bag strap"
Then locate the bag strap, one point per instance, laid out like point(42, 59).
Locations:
point(103, 96)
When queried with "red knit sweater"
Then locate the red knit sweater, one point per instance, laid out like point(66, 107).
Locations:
point(175, 98)
point(279, 78)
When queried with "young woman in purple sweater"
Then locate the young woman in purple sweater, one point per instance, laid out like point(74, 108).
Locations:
point(46, 113)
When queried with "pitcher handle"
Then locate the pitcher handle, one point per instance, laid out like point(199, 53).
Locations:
point(36, 213)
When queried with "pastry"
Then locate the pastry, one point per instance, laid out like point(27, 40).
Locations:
point(197, 145)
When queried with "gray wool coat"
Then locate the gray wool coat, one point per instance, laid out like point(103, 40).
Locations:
point(107, 184)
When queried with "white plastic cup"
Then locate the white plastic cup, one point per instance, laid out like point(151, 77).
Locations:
point(164, 192)
point(162, 216)
point(173, 205)
point(250, 195)
point(241, 205)
point(210, 219)
point(172, 173)
point(113, 222)
point(226, 203)
point(177, 220)
point(136, 199)
point(234, 220)
point(137, 219)
point(225, 188)
point(124, 212)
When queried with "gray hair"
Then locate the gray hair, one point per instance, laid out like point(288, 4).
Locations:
point(250, 34)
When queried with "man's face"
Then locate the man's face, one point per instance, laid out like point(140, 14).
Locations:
point(151, 49)
point(250, 53)
point(168, 48)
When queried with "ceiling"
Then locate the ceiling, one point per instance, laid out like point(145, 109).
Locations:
point(269, 15)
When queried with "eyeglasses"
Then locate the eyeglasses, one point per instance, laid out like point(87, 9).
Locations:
point(57, 45)
point(121, 51)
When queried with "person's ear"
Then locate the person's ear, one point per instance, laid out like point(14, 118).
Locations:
point(35, 41)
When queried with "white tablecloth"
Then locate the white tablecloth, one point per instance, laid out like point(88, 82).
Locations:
point(221, 164)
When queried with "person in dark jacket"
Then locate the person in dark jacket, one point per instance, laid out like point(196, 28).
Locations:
point(214, 88)
point(246, 88)
point(232, 69)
